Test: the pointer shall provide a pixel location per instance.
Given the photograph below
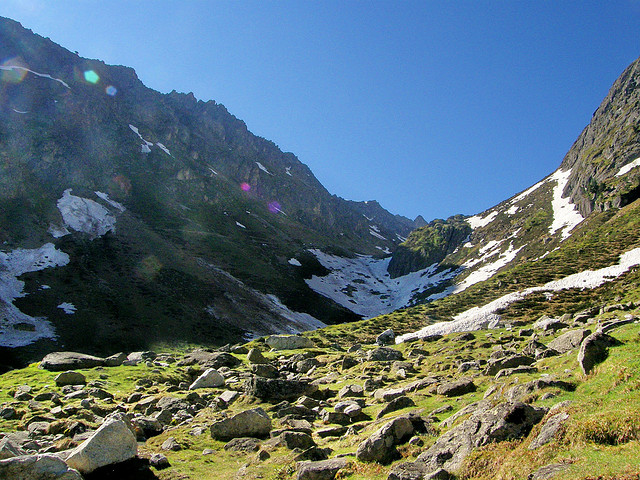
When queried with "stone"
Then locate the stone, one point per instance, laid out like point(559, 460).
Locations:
point(396, 404)
point(305, 366)
point(62, 361)
point(569, 341)
point(548, 471)
point(9, 448)
point(115, 360)
point(113, 442)
point(210, 378)
point(249, 423)
point(351, 391)
point(331, 432)
point(348, 362)
point(494, 365)
point(209, 359)
point(549, 430)
point(594, 349)
point(37, 467)
point(466, 366)
point(159, 461)
point(70, 377)
point(243, 444)
point(506, 372)
point(384, 354)
point(289, 342)
point(147, 426)
point(339, 418)
point(255, 357)
point(292, 440)
point(380, 446)
point(386, 338)
point(321, 470)
point(278, 389)
point(265, 370)
point(171, 444)
point(408, 471)
point(457, 388)
point(516, 392)
point(226, 398)
point(134, 358)
point(487, 424)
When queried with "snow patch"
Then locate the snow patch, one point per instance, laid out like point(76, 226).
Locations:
point(19, 111)
point(84, 215)
point(565, 215)
point(163, 148)
point(19, 329)
point(68, 308)
point(477, 318)
point(295, 262)
point(37, 74)
point(113, 203)
point(263, 168)
point(363, 285)
point(288, 171)
point(477, 221)
point(375, 233)
point(298, 321)
point(513, 210)
point(628, 167)
point(240, 225)
point(146, 145)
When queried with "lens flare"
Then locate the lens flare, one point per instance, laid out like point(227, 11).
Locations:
point(13, 70)
point(91, 76)
point(245, 186)
point(274, 207)
point(111, 91)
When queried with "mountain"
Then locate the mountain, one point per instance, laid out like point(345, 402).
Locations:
point(133, 217)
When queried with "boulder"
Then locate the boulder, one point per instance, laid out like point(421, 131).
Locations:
point(494, 365)
point(549, 430)
point(396, 404)
point(243, 444)
point(250, 423)
point(265, 370)
point(147, 427)
point(386, 338)
point(159, 461)
point(115, 360)
point(255, 357)
point(457, 388)
point(289, 342)
point(384, 354)
point(505, 421)
point(62, 361)
point(113, 442)
point(209, 359)
point(9, 449)
point(516, 392)
point(226, 398)
point(569, 341)
point(37, 467)
point(70, 377)
point(380, 446)
point(292, 440)
point(321, 470)
point(594, 349)
point(171, 445)
point(278, 389)
point(549, 471)
point(210, 378)
point(351, 391)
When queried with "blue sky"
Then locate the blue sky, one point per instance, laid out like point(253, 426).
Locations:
point(429, 107)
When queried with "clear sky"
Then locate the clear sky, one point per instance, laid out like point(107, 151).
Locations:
point(429, 107)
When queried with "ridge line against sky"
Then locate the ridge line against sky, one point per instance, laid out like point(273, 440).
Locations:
point(432, 108)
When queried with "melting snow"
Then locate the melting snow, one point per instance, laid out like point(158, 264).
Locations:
point(477, 221)
point(240, 225)
point(528, 191)
point(288, 171)
point(363, 285)
point(565, 215)
point(19, 329)
point(84, 215)
point(146, 146)
point(18, 111)
point(402, 239)
point(44, 75)
point(477, 318)
point(113, 203)
point(628, 167)
point(163, 148)
point(298, 321)
point(69, 308)
point(374, 231)
point(513, 210)
point(295, 262)
point(263, 168)
point(57, 231)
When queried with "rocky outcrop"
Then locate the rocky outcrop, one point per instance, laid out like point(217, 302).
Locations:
point(380, 446)
point(321, 470)
point(250, 423)
point(594, 349)
point(61, 361)
point(288, 342)
point(37, 467)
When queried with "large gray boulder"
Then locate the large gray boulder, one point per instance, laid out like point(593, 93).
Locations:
point(594, 349)
point(380, 446)
point(494, 365)
point(70, 377)
point(62, 361)
point(384, 354)
point(278, 389)
point(549, 430)
point(569, 341)
point(113, 442)
point(321, 470)
point(37, 467)
point(516, 392)
point(505, 421)
point(209, 359)
point(9, 449)
point(386, 338)
point(456, 388)
point(210, 378)
point(250, 423)
point(289, 342)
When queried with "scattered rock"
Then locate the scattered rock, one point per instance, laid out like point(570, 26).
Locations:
point(113, 442)
point(289, 342)
point(210, 378)
point(386, 338)
point(457, 388)
point(569, 341)
point(292, 440)
point(9, 448)
point(243, 444)
point(396, 404)
point(159, 461)
point(115, 360)
point(70, 377)
point(549, 430)
point(209, 359)
point(250, 423)
point(278, 389)
point(322, 470)
point(61, 361)
point(548, 471)
point(384, 354)
point(594, 349)
point(494, 365)
point(351, 391)
point(171, 444)
point(380, 446)
point(37, 467)
point(255, 357)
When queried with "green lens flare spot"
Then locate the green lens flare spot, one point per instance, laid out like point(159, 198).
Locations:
point(91, 76)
